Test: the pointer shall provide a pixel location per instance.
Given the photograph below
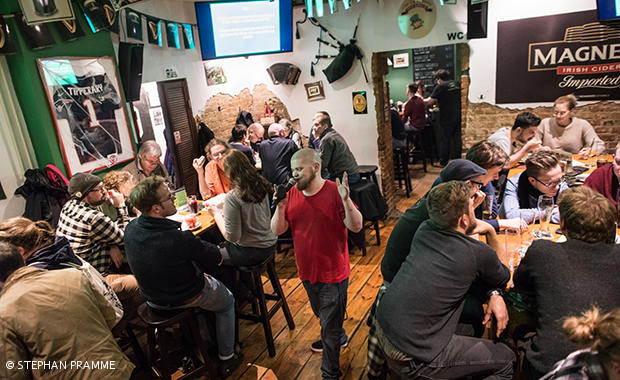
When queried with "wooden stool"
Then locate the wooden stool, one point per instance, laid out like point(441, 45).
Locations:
point(368, 172)
point(186, 318)
point(264, 315)
point(401, 168)
point(415, 138)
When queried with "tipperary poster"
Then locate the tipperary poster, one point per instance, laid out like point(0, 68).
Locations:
point(542, 58)
point(88, 111)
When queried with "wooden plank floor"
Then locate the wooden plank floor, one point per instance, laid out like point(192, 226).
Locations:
point(294, 360)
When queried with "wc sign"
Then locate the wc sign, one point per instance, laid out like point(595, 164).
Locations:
point(171, 72)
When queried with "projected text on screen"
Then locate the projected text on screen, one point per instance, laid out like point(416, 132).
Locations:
point(249, 27)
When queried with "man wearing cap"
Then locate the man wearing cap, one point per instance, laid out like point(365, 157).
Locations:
point(95, 237)
point(400, 239)
point(399, 246)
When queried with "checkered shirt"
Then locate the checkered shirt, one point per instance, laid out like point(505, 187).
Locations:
point(91, 233)
point(580, 365)
point(375, 360)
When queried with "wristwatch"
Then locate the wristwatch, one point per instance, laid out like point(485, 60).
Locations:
point(495, 292)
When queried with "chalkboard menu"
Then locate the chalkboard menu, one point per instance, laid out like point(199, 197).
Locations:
point(427, 60)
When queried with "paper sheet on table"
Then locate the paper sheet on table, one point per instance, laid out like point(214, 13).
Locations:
point(176, 217)
point(582, 177)
point(577, 163)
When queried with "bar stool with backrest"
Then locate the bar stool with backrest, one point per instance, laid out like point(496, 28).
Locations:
point(262, 314)
point(159, 344)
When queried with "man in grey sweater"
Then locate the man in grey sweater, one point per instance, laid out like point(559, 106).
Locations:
point(335, 154)
point(418, 316)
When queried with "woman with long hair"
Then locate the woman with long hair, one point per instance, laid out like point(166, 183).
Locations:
point(245, 221)
point(38, 244)
point(600, 333)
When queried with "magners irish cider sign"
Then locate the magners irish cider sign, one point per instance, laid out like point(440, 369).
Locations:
point(542, 58)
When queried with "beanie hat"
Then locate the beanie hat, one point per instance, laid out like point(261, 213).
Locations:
point(461, 170)
point(81, 184)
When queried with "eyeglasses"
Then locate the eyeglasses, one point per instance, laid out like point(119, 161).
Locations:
point(100, 188)
point(476, 183)
point(560, 113)
point(550, 185)
point(170, 196)
point(152, 162)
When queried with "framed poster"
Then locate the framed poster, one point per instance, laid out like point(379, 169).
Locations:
point(87, 108)
point(401, 60)
point(314, 90)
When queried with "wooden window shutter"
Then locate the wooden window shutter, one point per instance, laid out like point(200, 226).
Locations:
point(183, 134)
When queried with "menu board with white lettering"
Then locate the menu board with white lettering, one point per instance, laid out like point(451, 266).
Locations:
point(427, 60)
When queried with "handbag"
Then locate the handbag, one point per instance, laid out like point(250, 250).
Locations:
point(98, 282)
point(268, 118)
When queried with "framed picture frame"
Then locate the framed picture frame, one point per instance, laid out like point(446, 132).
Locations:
point(314, 90)
point(42, 11)
point(88, 111)
point(401, 60)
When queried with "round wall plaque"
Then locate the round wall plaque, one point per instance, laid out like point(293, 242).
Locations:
point(416, 18)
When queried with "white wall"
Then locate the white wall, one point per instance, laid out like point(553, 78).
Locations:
point(378, 31)
point(483, 59)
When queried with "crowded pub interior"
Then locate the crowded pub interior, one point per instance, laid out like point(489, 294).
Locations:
point(309, 189)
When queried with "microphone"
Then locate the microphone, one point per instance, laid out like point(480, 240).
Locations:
point(281, 192)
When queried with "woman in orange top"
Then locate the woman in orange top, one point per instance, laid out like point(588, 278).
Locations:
point(212, 179)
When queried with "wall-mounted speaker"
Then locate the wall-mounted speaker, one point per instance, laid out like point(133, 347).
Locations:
point(130, 58)
point(284, 73)
point(477, 20)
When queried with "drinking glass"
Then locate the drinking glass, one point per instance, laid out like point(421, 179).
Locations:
point(601, 160)
point(487, 207)
point(513, 242)
point(527, 234)
point(192, 203)
point(545, 209)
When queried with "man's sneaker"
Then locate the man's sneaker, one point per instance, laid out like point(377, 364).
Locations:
point(229, 366)
point(318, 345)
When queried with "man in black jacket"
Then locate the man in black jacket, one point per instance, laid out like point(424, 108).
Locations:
point(164, 260)
point(275, 155)
point(419, 313)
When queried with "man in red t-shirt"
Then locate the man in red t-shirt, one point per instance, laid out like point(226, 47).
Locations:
point(318, 213)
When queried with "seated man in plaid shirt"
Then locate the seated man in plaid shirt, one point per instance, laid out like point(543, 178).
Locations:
point(95, 238)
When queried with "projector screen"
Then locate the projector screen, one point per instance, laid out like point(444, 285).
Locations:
point(241, 28)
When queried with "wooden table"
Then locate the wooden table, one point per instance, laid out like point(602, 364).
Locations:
point(206, 221)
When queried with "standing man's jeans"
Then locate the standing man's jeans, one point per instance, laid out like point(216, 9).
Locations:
point(329, 303)
point(217, 298)
point(462, 357)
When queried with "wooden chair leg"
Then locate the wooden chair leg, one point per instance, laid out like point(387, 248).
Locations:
point(277, 288)
point(264, 315)
point(137, 349)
